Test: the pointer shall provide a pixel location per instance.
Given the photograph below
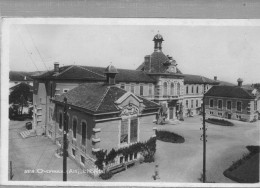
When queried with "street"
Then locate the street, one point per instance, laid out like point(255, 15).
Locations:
point(177, 162)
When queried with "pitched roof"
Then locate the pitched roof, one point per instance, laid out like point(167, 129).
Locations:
point(97, 97)
point(196, 79)
point(19, 76)
point(224, 83)
point(230, 91)
point(156, 63)
point(22, 85)
point(90, 73)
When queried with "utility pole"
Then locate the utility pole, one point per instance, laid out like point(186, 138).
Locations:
point(204, 137)
point(65, 131)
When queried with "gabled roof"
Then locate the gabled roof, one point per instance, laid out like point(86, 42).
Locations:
point(230, 91)
point(89, 73)
point(20, 76)
point(97, 97)
point(196, 79)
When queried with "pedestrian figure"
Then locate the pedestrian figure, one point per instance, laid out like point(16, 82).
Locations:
point(156, 172)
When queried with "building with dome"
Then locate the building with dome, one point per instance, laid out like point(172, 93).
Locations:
point(121, 102)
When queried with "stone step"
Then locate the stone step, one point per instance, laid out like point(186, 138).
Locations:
point(27, 133)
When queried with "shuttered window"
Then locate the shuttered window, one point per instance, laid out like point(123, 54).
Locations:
point(133, 130)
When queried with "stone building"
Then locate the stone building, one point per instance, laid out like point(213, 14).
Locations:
point(233, 102)
point(102, 116)
point(157, 79)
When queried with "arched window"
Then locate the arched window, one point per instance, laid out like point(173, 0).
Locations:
point(164, 88)
point(192, 90)
point(172, 89)
point(84, 133)
point(178, 89)
point(60, 121)
point(74, 127)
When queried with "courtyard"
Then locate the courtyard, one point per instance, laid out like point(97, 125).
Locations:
point(177, 162)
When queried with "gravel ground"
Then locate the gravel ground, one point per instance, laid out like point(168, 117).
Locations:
point(177, 162)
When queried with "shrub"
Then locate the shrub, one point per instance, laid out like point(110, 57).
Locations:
point(219, 122)
point(167, 136)
point(106, 175)
point(147, 149)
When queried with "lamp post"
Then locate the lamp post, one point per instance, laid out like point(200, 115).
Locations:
point(65, 131)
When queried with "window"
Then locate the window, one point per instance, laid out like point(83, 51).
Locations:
point(60, 121)
point(65, 90)
point(220, 114)
point(82, 159)
point(121, 160)
point(197, 103)
point(255, 105)
point(135, 155)
point(141, 90)
point(84, 132)
point(172, 89)
point(197, 89)
point(178, 89)
point(124, 131)
point(211, 112)
point(192, 89)
point(238, 116)
point(187, 89)
point(132, 88)
point(165, 89)
point(51, 88)
point(187, 104)
point(74, 127)
point(239, 106)
point(220, 104)
point(126, 158)
point(150, 89)
point(133, 130)
point(122, 86)
point(211, 103)
point(73, 152)
point(229, 105)
point(191, 103)
point(131, 157)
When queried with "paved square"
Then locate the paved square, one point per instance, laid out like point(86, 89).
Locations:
point(177, 162)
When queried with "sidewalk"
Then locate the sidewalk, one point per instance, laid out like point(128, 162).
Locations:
point(34, 160)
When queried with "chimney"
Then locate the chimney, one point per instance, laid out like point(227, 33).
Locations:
point(239, 82)
point(215, 78)
point(56, 67)
point(111, 72)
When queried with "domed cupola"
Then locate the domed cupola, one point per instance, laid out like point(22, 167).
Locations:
point(111, 72)
point(158, 42)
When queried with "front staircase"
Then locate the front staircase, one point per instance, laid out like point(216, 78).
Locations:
point(27, 133)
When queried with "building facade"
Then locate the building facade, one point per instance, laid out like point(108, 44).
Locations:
point(157, 79)
point(233, 102)
point(102, 116)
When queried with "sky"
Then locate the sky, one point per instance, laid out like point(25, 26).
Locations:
point(228, 52)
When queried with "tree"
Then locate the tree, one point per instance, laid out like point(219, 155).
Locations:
point(21, 95)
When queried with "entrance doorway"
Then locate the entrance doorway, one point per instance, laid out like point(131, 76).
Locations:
point(229, 116)
point(171, 112)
